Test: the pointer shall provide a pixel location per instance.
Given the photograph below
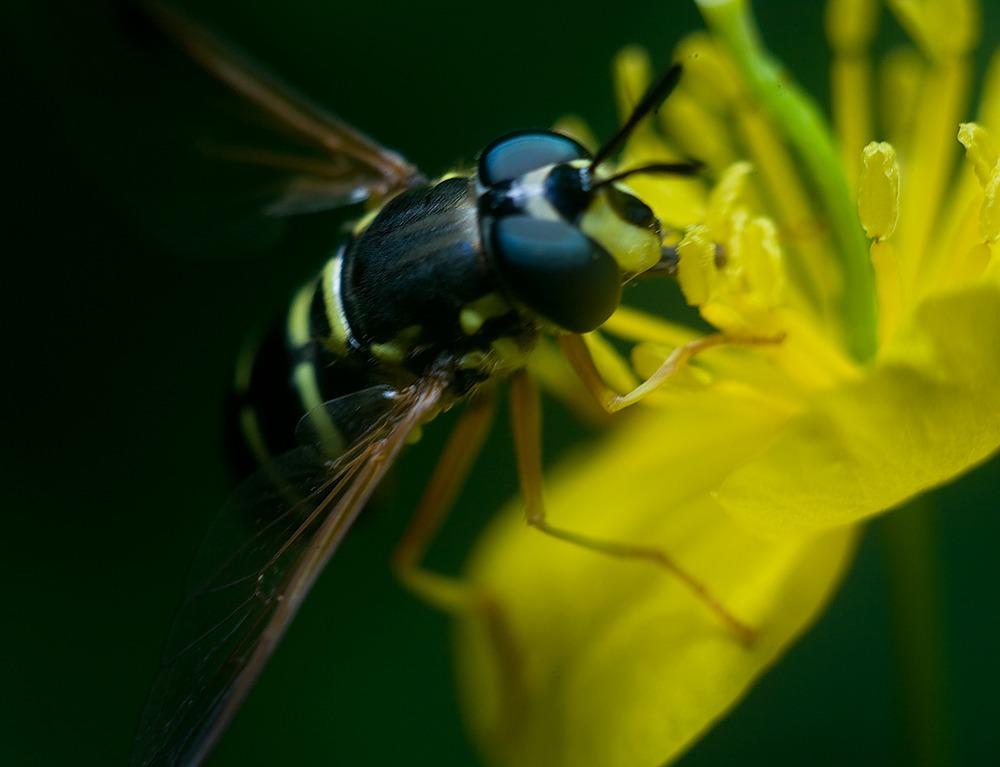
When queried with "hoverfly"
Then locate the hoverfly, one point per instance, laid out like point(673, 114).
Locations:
point(437, 295)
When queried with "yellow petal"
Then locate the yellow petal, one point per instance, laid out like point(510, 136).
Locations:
point(619, 663)
point(927, 412)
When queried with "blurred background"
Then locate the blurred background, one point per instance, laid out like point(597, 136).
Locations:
point(130, 283)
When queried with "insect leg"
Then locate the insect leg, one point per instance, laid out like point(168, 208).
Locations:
point(447, 593)
point(464, 444)
point(576, 351)
point(526, 424)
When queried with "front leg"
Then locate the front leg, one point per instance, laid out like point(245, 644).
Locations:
point(578, 355)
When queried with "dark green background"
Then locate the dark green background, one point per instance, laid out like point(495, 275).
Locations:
point(123, 317)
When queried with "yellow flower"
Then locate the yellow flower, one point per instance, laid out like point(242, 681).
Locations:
point(867, 275)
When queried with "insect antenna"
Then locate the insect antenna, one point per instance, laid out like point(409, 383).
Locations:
point(669, 168)
point(649, 102)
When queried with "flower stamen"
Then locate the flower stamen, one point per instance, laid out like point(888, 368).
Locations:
point(850, 26)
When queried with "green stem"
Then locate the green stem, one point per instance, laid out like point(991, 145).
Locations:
point(909, 537)
point(806, 132)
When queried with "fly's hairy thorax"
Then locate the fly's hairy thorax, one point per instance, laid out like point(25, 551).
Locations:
point(414, 292)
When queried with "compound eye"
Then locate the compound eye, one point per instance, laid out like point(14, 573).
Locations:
point(555, 270)
point(511, 156)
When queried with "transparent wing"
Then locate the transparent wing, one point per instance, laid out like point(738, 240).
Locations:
point(261, 556)
point(347, 167)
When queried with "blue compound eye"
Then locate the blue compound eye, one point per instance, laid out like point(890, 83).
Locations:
point(555, 270)
point(512, 156)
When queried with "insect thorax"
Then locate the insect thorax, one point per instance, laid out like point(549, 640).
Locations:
point(415, 292)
